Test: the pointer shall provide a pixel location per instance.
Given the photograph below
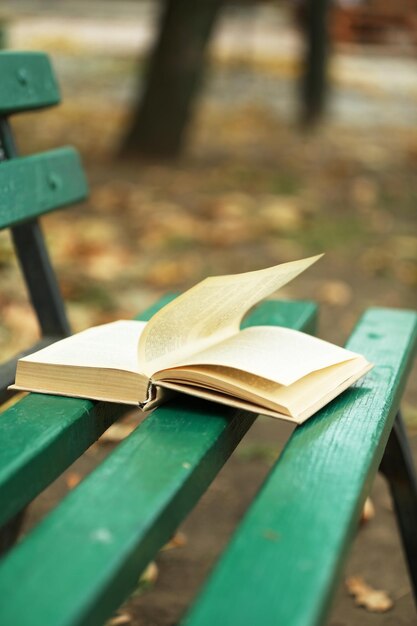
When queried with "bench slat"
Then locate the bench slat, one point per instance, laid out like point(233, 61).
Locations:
point(292, 542)
point(27, 82)
point(33, 185)
point(41, 435)
point(90, 550)
point(36, 445)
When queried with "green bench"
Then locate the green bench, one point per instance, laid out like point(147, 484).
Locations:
point(81, 562)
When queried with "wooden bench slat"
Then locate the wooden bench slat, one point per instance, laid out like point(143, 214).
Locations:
point(90, 550)
point(301, 314)
point(287, 554)
point(27, 82)
point(41, 435)
point(33, 185)
point(36, 446)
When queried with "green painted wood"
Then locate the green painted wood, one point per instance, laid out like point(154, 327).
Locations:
point(42, 435)
point(27, 82)
point(35, 446)
point(90, 550)
point(34, 185)
point(292, 543)
point(293, 314)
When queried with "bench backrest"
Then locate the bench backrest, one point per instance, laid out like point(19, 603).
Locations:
point(31, 186)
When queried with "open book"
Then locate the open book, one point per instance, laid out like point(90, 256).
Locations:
point(194, 345)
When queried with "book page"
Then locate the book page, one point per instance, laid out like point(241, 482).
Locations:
point(277, 354)
point(284, 399)
point(111, 345)
point(209, 313)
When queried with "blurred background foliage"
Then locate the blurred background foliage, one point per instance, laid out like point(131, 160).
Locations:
point(245, 183)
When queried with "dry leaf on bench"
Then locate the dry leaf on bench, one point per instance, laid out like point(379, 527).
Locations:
point(373, 600)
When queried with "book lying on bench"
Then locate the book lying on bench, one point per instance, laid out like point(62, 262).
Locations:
point(194, 345)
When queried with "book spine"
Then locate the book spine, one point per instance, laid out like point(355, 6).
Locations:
point(155, 396)
point(151, 394)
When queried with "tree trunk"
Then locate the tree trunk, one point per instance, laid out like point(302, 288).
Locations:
point(160, 119)
point(314, 81)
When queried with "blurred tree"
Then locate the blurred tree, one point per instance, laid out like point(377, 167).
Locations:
point(176, 66)
point(313, 18)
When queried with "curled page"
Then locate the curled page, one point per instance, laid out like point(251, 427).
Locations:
point(208, 313)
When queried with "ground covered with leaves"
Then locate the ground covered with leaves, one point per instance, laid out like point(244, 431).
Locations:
point(250, 191)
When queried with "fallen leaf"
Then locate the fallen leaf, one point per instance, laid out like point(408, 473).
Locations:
point(165, 274)
point(178, 540)
point(368, 511)
point(148, 578)
point(120, 620)
point(364, 192)
point(281, 214)
point(117, 432)
point(107, 265)
point(373, 600)
point(72, 479)
point(232, 205)
point(230, 231)
point(335, 293)
point(20, 318)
